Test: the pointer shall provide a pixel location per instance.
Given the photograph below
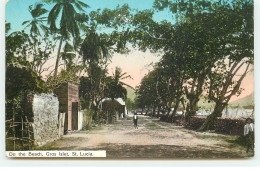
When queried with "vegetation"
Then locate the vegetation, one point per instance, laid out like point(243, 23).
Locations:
point(204, 50)
point(203, 47)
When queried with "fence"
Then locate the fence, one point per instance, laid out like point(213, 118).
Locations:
point(19, 134)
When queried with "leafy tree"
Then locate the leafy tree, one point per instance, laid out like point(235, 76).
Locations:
point(69, 75)
point(92, 88)
point(130, 104)
point(175, 72)
point(147, 92)
point(16, 47)
point(21, 79)
point(202, 35)
point(238, 53)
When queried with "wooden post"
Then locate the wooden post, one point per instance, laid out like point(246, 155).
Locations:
point(13, 127)
point(22, 135)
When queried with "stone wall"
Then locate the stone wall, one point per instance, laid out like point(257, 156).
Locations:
point(231, 126)
point(45, 109)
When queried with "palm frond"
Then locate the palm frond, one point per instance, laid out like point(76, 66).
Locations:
point(26, 22)
point(83, 4)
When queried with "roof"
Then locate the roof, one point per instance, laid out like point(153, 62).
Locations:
point(119, 100)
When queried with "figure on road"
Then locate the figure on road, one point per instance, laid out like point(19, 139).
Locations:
point(249, 134)
point(135, 119)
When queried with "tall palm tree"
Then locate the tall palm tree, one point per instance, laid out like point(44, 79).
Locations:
point(37, 20)
point(66, 9)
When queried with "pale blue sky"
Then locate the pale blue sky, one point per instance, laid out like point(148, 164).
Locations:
point(17, 10)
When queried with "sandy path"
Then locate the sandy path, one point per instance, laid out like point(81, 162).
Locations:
point(153, 139)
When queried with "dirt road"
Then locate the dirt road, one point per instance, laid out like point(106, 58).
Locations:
point(152, 140)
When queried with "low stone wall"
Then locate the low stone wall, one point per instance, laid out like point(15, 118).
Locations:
point(45, 109)
point(169, 119)
point(231, 126)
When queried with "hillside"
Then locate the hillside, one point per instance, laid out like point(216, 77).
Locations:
point(131, 93)
point(246, 101)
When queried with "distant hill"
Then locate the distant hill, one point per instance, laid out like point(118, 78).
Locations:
point(246, 101)
point(131, 93)
point(204, 103)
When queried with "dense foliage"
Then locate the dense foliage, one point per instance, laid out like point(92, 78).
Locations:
point(203, 47)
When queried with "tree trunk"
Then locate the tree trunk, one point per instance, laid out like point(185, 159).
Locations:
point(175, 108)
point(153, 111)
point(158, 112)
point(209, 123)
point(191, 109)
point(58, 59)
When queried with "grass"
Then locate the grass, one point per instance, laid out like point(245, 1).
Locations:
point(152, 126)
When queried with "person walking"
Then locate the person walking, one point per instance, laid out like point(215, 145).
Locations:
point(249, 134)
point(135, 119)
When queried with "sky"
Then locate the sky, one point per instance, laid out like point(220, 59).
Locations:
point(135, 63)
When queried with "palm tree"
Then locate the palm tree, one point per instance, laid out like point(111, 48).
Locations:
point(95, 47)
point(68, 21)
point(68, 55)
point(115, 85)
point(37, 21)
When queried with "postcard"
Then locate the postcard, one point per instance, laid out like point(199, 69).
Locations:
point(139, 79)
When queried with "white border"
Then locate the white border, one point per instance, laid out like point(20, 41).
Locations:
point(129, 163)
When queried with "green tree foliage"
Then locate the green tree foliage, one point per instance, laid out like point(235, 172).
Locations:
point(68, 23)
point(130, 104)
point(29, 50)
point(91, 88)
point(203, 34)
point(115, 86)
point(95, 48)
point(16, 47)
point(147, 92)
point(37, 20)
point(69, 75)
point(22, 79)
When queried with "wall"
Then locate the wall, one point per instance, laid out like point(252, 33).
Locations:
point(231, 126)
point(45, 109)
point(80, 120)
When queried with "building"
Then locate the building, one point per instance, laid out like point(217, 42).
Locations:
point(117, 107)
point(68, 96)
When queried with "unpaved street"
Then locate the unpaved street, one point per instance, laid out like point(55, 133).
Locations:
point(152, 140)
